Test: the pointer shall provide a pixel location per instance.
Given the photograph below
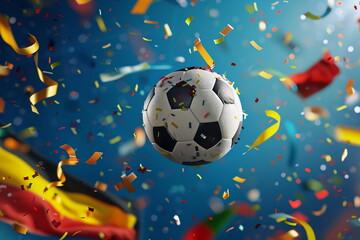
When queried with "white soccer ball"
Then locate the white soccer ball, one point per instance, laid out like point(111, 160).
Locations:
point(193, 116)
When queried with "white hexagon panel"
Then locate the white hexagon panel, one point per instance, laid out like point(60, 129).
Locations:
point(182, 124)
point(158, 110)
point(206, 106)
point(188, 152)
point(202, 79)
point(230, 120)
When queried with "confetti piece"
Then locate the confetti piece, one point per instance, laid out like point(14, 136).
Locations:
point(226, 30)
point(119, 107)
point(309, 231)
point(28, 132)
point(101, 24)
point(322, 194)
point(349, 89)
point(70, 161)
point(141, 7)
point(219, 40)
point(188, 20)
point(270, 131)
point(255, 6)
point(313, 113)
point(151, 22)
point(147, 39)
point(167, 30)
point(94, 158)
point(330, 6)
point(226, 194)
point(126, 183)
point(255, 45)
point(4, 70)
point(239, 179)
point(193, 2)
point(321, 211)
point(262, 25)
point(229, 229)
point(295, 204)
point(204, 53)
point(177, 220)
point(265, 75)
point(341, 107)
point(115, 140)
point(347, 135)
point(344, 154)
point(2, 105)
point(18, 228)
point(106, 46)
point(7, 125)
point(81, 2)
point(101, 186)
point(126, 70)
point(199, 176)
point(63, 236)
point(55, 64)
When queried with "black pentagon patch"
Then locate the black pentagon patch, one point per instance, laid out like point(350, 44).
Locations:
point(236, 136)
point(224, 92)
point(148, 99)
point(181, 95)
point(163, 139)
point(197, 163)
point(189, 68)
point(208, 134)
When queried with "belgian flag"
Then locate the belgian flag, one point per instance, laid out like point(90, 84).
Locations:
point(76, 208)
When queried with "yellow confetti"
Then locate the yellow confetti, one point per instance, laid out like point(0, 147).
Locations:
point(18, 228)
point(255, 7)
point(270, 131)
point(120, 109)
point(106, 46)
point(344, 154)
point(265, 75)
point(239, 179)
point(219, 40)
point(96, 84)
point(141, 6)
point(63, 236)
point(226, 30)
point(328, 140)
point(55, 64)
point(72, 160)
point(320, 212)
point(199, 176)
point(226, 194)
point(341, 107)
point(255, 45)
point(167, 30)
point(151, 22)
point(347, 135)
point(204, 53)
point(115, 140)
point(147, 39)
point(290, 223)
point(189, 19)
point(101, 24)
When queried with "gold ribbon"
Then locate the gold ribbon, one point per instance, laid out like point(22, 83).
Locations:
point(270, 131)
point(70, 161)
point(8, 37)
point(50, 91)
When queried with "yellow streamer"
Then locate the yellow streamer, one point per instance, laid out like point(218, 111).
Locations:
point(347, 135)
point(8, 37)
point(205, 55)
point(50, 91)
point(265, 135)
point(309, 231)
point(70, 161)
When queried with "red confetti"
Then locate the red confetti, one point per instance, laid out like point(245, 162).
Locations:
point(322, 194)
point(256, 100)
point(295, 204)
point(233, 64)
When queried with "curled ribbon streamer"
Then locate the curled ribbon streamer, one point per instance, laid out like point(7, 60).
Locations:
point(50, 91)
point(282, 216)
point(8, 37)
point(330, 6)
point(265, 135)
point(70, 161)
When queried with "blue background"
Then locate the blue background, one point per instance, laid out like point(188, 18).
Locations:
point(77, 39)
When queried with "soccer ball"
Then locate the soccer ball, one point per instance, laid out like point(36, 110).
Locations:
point(193, 116)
